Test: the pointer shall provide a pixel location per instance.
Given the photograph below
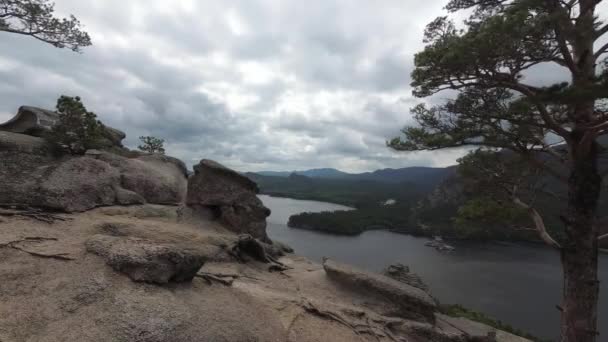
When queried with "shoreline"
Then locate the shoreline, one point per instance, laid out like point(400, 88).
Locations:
point(280, 195)
point(411, 232)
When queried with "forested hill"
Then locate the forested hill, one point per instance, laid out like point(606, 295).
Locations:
point(383, 198)
point(357, 190)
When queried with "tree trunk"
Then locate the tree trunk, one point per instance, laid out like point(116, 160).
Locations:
point(580, 251)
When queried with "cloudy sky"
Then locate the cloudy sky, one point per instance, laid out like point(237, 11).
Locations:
point(254, 84)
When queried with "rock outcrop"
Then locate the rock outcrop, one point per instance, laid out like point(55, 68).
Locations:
point(30, 174)
point(101, 276)
point(231, 196)
point(403, 274)
point(413, 303)
point(148, 261)
point(36, 121)
point(157, 178)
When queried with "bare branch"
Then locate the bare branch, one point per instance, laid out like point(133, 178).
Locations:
point(601, 31)
point(538, 222)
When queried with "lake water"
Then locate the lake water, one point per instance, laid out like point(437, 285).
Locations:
point(519, 284)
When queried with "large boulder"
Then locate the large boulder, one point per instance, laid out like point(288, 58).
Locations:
point(30, 174)
point(31, 121)
point(231, 196)
point(36, 121)
point(21, 143)
point(158, 179)
point(413, 302)
point(148, 261)
point(77, 185)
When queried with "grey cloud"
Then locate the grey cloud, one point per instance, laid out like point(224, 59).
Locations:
point(174, 71)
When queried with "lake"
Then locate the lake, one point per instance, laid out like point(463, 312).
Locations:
point(519, 284)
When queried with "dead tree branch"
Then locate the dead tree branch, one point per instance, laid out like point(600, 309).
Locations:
point(15, 245)
point(539, 223)
point(11, 210)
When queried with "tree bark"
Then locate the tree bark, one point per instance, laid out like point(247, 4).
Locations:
point(580, 252)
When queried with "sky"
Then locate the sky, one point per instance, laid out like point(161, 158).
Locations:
point(253, 84)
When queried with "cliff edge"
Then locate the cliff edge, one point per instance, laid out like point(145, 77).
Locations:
point(127, 247)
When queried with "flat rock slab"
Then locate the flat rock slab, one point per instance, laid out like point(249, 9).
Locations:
point(148, 261)
point(413, 302)
point(472, 329)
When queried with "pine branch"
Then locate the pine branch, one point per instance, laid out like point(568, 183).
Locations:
point(560, 37)
point(601, 51)
point(601, 31)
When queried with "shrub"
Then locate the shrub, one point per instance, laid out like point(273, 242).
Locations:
point(77, 129)
point(152, 144)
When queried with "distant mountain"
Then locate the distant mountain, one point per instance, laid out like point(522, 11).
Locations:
point(272, 173)
point(312, 173)
point(419, 175)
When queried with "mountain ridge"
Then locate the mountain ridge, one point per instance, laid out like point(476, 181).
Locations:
point(387, 175)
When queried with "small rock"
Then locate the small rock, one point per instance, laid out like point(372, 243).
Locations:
point(114, 228)
point(127, 197)
point(403, 274)
point(278, 249)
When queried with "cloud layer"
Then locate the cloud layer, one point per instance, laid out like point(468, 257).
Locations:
point(254, 84)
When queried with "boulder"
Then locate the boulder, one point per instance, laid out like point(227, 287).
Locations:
point(128, 197)
point(403, 274)
point(413, 302)
point(36, 121)
point(31, 121)
point(232, 197)
point(37, 179)
point(21, 143)
point(148, 261)
point(77, 184)
point(157, 179)
point(31, 175)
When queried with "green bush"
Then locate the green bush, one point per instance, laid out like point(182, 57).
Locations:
point(77, 129)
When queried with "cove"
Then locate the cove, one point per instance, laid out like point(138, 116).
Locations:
point(519, 284)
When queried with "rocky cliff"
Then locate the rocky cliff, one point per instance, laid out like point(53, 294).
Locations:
point(138, 273)
point(127, 247)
